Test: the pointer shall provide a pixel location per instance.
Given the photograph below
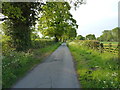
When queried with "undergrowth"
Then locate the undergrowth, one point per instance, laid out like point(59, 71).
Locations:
point(95, 69)
point(16, 64)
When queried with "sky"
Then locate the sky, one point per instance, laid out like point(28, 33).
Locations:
point(96, 16)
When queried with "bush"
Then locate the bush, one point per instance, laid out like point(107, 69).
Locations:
point(88, 43)
point(41, 43)
point(13, 65)
point(6, 45)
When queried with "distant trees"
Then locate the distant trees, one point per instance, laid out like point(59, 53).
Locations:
point(87, 37)
point(109, 35)
point(80, 37)
point(115, 33)
point(90, 37)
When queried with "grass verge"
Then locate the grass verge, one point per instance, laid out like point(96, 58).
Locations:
point(17, 64)
point(95, 69)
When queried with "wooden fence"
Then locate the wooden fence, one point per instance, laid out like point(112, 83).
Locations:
point(113, 48)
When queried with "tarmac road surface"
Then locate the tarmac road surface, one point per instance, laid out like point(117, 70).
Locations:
point(57, 71)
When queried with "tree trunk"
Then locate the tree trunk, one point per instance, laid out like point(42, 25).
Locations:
point(56, 39)
point(21, 37)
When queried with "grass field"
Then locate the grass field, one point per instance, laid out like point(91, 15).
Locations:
point(94, 69)
point(109, 42)
point(18, 63)
point(114, 44)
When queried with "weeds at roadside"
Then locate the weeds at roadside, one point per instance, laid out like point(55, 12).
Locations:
point(95, 69)
point(16, 64)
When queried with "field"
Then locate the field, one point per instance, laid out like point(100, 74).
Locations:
point(114, 44)
point(110, 47)
point(95, 69)
point(109, 42)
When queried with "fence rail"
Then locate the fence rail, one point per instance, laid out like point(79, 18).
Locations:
point(109, 48)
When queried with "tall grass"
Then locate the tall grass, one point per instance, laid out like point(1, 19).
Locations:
point(95, 69)
point(16, 64)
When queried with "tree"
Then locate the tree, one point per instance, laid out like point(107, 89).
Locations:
point(21, 18)
point(57, 21)
point(115, 33)
point(80, 37)
point(109, 35)
point(101, 38)
point(76, 3)
point(90, 37)
point(105, 36)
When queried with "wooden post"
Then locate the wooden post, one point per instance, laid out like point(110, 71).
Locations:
point(110, 45)
point(101, 47)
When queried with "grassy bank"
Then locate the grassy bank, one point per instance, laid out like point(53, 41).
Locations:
point(95, 69)
point(17, 64)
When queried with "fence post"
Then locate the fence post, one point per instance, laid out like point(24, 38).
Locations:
point(101, 47)
point(118, 48)
point(119, 51)
point(97, 45)
point(110, 45)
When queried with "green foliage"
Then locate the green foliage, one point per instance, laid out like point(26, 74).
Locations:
point(94, 44)
point(21, 17)
point(6, 44)
point(76, 3)
point(109, 35)
point(13, 66)
point(41, 43)
point(16, 64)
point(11, 11)
point(57, 22)
point(95, 70)
point(18, 30)
point(80, 37)
point(35, 36)
point(90, 37)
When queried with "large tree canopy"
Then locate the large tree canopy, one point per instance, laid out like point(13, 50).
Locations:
point(57, 21)
point(21, 17)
